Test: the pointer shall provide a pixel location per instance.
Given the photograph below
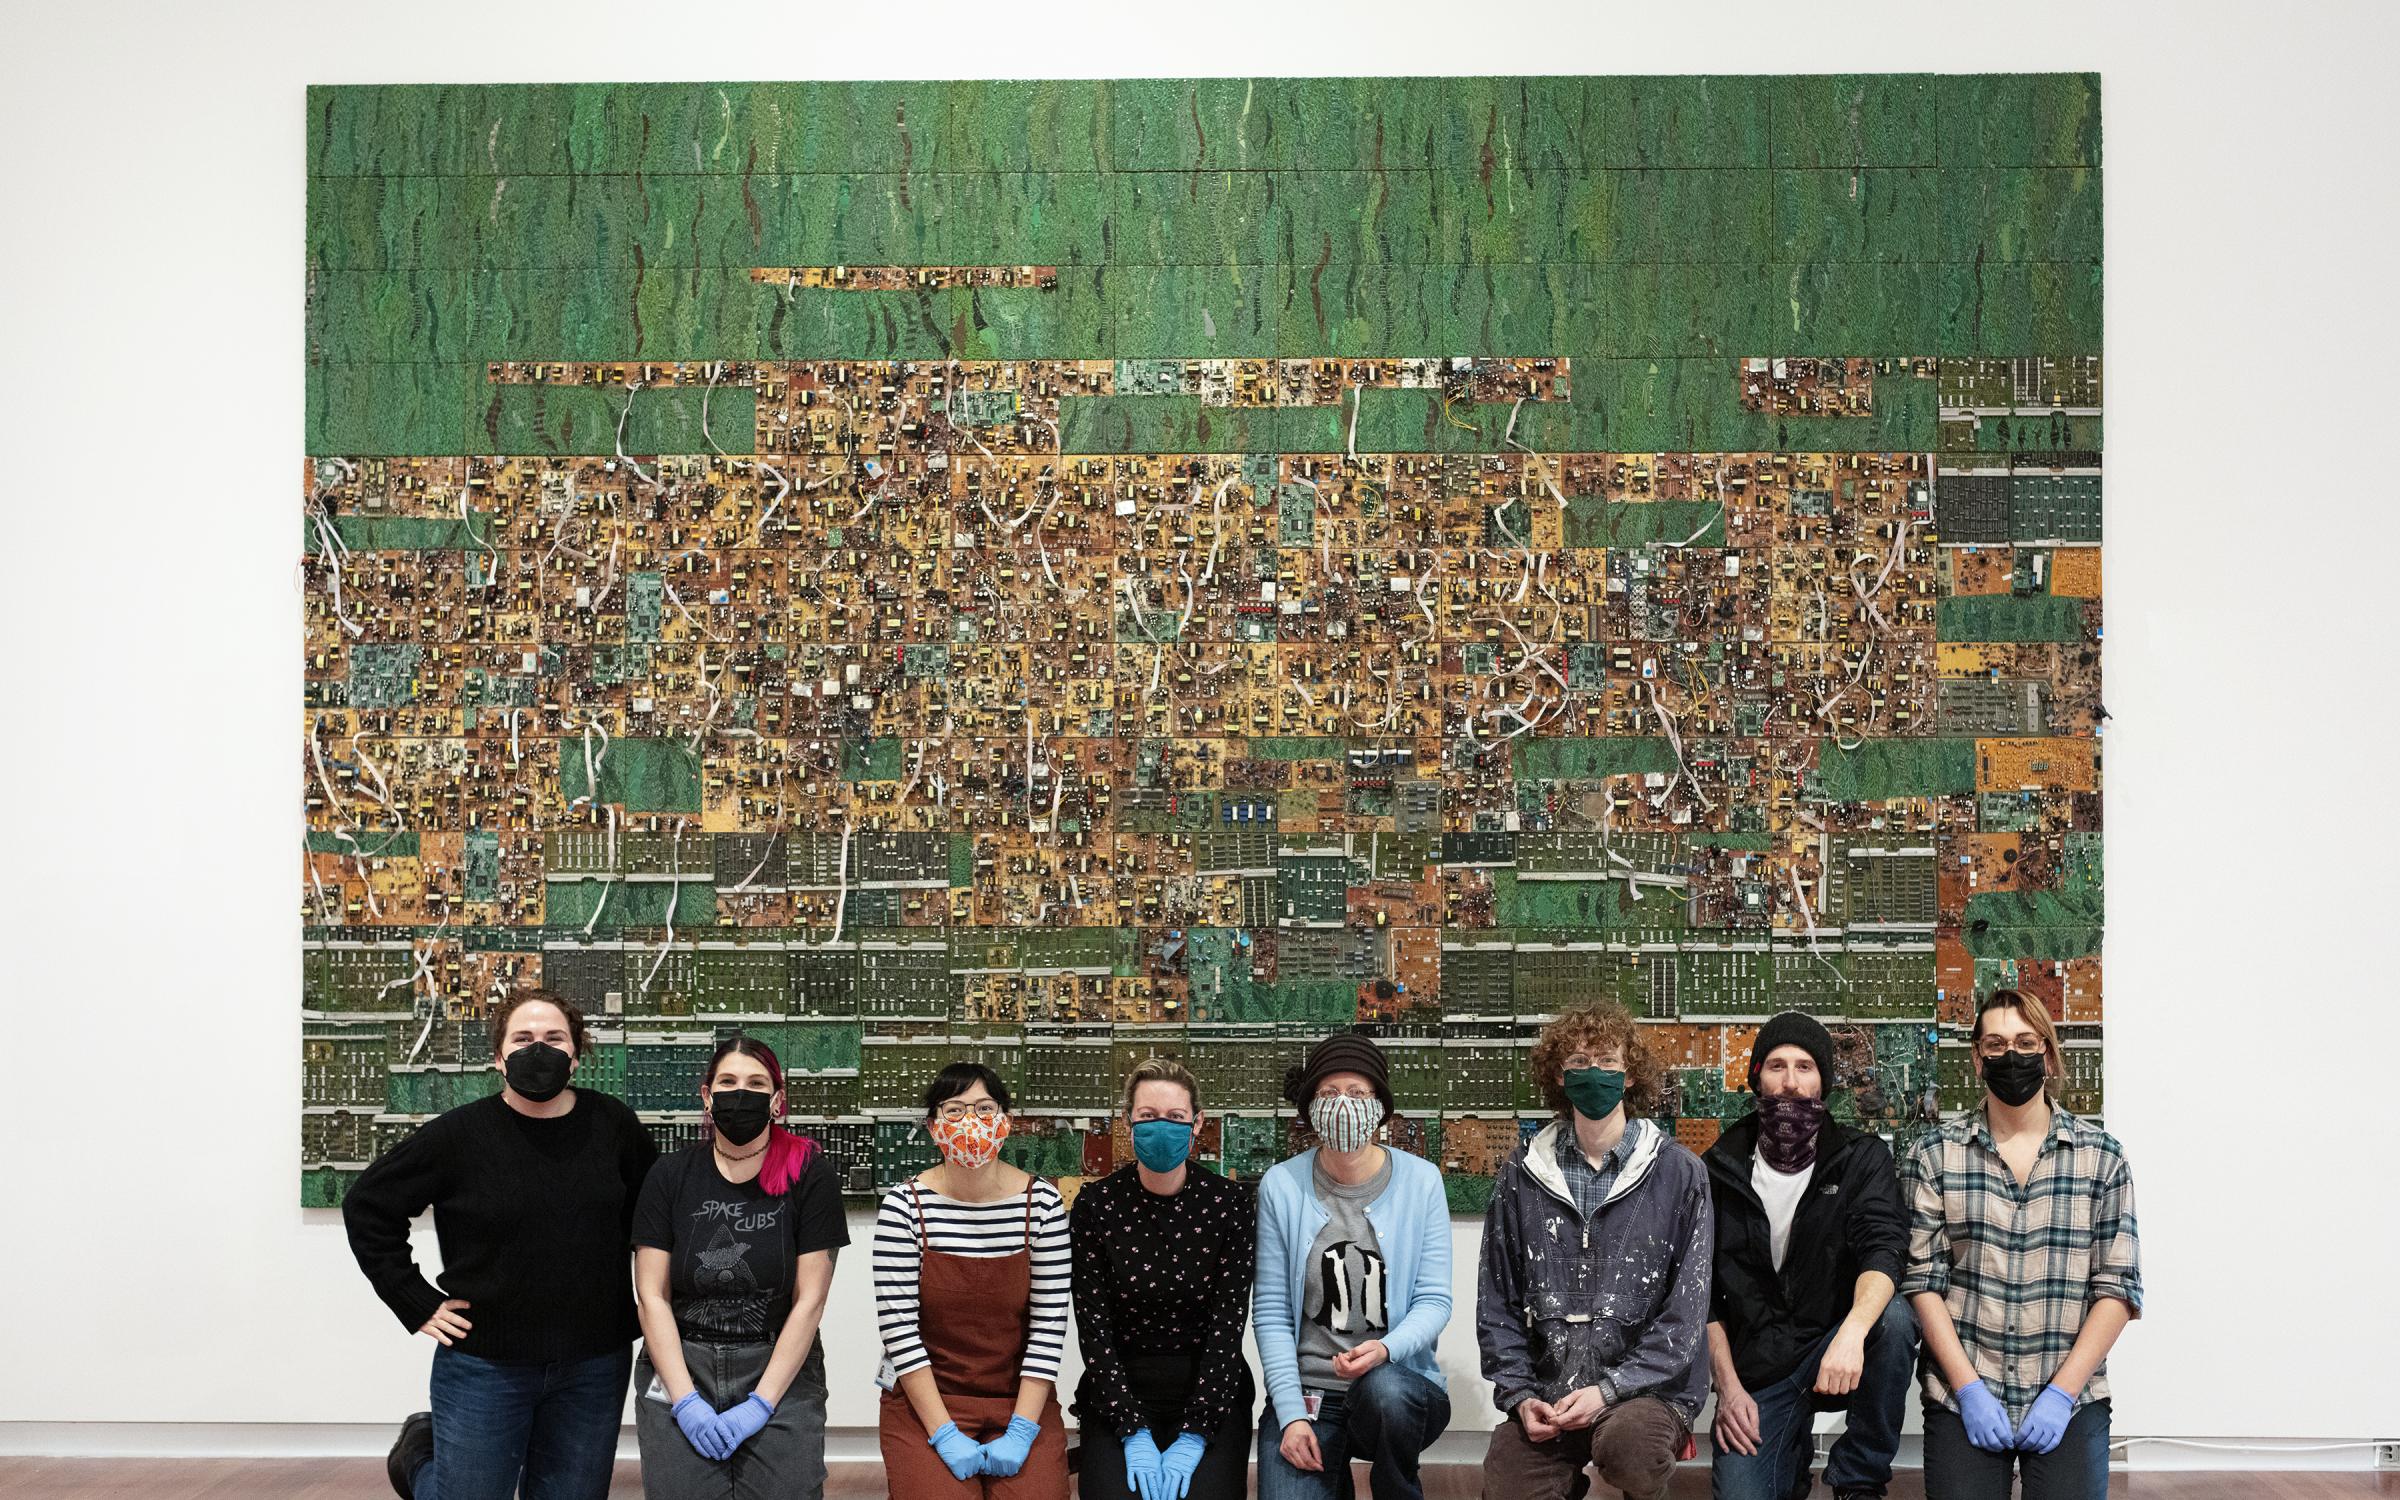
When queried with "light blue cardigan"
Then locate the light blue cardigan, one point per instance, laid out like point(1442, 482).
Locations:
point(1412, 1225)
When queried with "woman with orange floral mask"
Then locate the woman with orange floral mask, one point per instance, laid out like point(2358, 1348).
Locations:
point(972, 1284)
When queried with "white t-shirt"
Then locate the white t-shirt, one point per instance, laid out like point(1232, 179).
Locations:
point(1780, 1192)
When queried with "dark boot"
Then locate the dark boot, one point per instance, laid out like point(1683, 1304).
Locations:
point(411, 1451)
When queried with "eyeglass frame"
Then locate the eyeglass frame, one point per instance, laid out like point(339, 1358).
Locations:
point(1575, 1060)
point(1984, 1046)
point(953, 1111)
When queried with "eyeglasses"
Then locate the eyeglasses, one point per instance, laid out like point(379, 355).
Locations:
point(2024, 1046)
point(1179, 1116)
point(981, 1109)
point(1337, 1092)
point(1586, 1060)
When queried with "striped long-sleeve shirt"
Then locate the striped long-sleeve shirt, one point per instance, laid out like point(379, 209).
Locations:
point(2019, 1265)
point(975, 1229)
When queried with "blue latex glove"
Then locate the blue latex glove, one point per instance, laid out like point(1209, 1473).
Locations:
point(741, 1424)
point(1986, 1418)
point(698, 1420)
point(961, 1452)
point(1142, 1473)
point(1005, 1454)
point(1181, 1458)
point(2047, 1422)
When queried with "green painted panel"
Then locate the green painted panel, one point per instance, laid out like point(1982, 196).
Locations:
point(629, 903)
point(2007, 617)
point(2033, 924)
point(1865, 120)
point(583, 419)
point(403, 533)
point(1878, 770)
point(373, 843)
point(1581, 759)
point(642, 775)
point(1590, 522)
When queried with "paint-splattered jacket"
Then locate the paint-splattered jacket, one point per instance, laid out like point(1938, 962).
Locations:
point(1619, 1300)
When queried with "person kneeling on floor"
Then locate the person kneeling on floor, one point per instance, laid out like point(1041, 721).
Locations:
point(1594, 1287)
point(1810, 1246)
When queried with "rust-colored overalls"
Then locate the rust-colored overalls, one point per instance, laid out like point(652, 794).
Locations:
point(973, 1315)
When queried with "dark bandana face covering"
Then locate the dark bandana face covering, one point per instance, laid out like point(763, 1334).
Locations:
point(1787, 1130)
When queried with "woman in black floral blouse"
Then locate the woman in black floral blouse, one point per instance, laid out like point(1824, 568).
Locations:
point(1162, 1289)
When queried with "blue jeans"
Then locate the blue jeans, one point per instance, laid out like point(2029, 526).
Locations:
point(1388, 1417)
point(2077, 1469)
point(1862, 1456)
point(555, 1424)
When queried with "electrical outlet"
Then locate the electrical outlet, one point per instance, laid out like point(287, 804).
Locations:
point(2387, 1454)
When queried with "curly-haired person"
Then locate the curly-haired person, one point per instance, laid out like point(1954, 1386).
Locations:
point(1592, 1305)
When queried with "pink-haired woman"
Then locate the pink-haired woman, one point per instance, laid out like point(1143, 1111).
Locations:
point(734, 1239)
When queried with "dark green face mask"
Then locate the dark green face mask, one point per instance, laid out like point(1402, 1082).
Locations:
point(1595, 1091)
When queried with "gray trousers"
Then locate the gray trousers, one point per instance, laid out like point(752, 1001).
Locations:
point(784, 1461)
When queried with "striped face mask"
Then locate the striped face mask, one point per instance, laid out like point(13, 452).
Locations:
point(1345, 1123)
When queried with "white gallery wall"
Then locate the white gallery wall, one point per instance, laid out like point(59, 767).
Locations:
point(159, 1271)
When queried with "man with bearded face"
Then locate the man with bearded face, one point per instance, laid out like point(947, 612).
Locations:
point(1810, 1245)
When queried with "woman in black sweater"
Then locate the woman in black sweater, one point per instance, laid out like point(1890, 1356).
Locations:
point(1163, 1251)
point(532, 1191)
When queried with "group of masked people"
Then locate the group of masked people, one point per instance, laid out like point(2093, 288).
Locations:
point(1790, 1270)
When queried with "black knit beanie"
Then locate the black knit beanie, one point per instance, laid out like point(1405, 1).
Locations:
point(1342, 1052)
point(1794, 1029)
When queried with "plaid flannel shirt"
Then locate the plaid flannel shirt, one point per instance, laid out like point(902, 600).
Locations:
point(2019, 1266)
point(1590, 1184)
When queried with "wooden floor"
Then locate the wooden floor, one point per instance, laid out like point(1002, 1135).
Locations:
point(362, 1479)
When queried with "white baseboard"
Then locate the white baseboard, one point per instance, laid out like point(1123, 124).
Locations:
point(2214, 1453)
point(848, 1445)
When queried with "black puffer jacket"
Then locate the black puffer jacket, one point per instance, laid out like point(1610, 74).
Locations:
point(1848, 1222)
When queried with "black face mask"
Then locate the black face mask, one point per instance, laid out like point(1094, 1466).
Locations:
point(2014, 1077)
point(739, 1114)
point(538, 1071)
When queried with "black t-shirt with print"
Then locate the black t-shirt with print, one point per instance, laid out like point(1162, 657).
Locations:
point(731, 1246)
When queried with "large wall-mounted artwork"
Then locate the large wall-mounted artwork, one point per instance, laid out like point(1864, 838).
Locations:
point(1055, 572)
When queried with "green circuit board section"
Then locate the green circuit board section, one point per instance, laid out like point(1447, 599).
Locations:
point(1647, 228)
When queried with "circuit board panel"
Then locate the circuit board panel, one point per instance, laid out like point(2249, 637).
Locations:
point(1019, 640)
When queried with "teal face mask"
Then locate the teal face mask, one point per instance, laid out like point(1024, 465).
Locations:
point(1595, 1091)
point(1161, 1145)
